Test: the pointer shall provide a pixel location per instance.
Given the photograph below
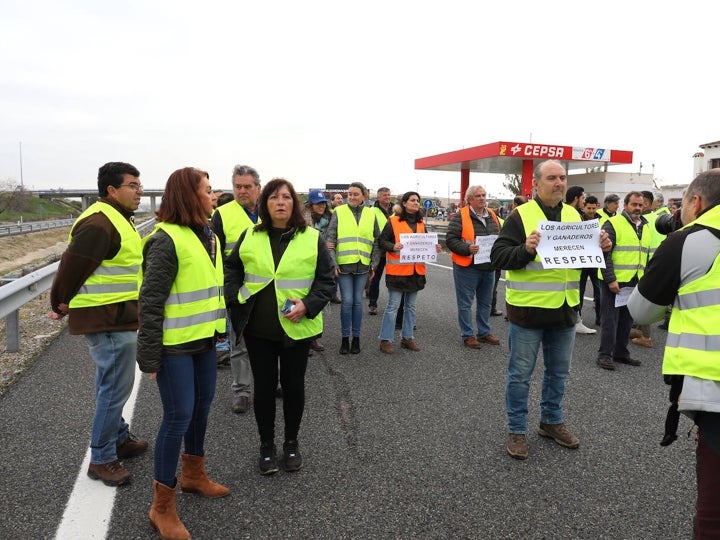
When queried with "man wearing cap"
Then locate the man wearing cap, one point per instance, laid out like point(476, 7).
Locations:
point(228, 222)
point(383, 210)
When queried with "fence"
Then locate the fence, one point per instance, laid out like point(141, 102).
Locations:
point(20, 291)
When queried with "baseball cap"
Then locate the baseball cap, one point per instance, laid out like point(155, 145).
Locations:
point(316, 196)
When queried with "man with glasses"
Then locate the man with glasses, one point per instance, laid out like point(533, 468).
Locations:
point(474, 280)
point(97, 285)
point(228, 222)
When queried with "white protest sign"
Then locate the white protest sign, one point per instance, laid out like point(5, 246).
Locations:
point(570, 244)
point(418, 247)
point(485, 243)
point(621, 298)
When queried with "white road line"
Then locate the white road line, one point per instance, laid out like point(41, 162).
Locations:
point(89, 508)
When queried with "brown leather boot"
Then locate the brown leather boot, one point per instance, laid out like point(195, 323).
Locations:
point(194, 479)
point(163, 517)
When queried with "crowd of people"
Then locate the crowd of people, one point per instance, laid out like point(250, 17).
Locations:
point(244, 278)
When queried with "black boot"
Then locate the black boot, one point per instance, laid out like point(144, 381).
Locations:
point(355, 346)
point(345, 346)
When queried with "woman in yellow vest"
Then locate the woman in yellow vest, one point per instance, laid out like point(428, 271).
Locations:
point(402, 279)
point(182, 313)
point(351, 234)
point(279, 277)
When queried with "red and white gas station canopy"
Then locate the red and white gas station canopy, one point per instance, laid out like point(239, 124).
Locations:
point(505, 157)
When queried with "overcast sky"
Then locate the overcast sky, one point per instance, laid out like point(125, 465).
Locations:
point(332, 92)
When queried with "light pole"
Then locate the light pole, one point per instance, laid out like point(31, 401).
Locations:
point(21, 171)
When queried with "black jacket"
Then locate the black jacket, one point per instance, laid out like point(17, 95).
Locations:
point(259, 315)
point(457, 244)
point(509, 253)
point(386, 242)
point(160, 267)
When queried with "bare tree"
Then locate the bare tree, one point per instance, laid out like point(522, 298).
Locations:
point(513, 183)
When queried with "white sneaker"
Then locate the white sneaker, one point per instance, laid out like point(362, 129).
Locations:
point(580, 328)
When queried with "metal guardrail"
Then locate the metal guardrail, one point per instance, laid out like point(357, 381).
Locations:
point(34, 226)
point(20, 291)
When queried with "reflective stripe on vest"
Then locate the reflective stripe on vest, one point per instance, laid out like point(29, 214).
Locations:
point(693, 346)
point(393, 266)
point(293, 277)
point(630, 253)
point(116, 279)
point(380, 216)
point(355, 240)
point(195, 307)
point(533, 286)
point(235, 220)
point(468, 234)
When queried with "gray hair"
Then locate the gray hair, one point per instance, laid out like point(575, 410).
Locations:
point(706, 185)
point(470, 193)
point(243, 170)
point(659, 197)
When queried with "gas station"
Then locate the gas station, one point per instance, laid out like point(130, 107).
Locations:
point(519, 158)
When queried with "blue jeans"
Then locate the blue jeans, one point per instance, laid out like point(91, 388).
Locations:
point(114, 356)
point(387, 331)
point(352, 288)
point(187, 387)
point(557, 347)
point(473, 284)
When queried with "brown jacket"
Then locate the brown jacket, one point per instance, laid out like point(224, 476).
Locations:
point(94, 239)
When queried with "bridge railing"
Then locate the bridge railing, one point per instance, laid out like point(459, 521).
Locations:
point(34, 226)
point(20, 291)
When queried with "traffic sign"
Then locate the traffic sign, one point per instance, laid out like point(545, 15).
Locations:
point(427, 203)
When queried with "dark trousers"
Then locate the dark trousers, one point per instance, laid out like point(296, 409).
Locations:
point(707, 519)
point(374, 284)
point(264, 355)
point(493, 305)
point(616, 325)
point(591, 273)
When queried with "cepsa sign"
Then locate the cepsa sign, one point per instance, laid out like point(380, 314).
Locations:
point(546, 151)
point(534, 150)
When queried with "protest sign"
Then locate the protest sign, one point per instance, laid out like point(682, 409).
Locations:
point(570, 244)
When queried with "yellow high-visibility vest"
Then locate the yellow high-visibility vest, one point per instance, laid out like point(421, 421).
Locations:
point(534, 286)
point(116, 279)
point(235, 220)
point(354, 240)
point(293, 277)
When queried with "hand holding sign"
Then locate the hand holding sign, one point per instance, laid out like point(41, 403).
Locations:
point(570, 244)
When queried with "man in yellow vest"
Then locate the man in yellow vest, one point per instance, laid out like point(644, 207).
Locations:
point(97, 285)
point(611, 203)
point(541, 308)
point(229, 222)
point(684, 274)
point(624, 266)
point(474, 279)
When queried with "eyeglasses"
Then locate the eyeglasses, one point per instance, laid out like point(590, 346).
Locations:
point(133, 186)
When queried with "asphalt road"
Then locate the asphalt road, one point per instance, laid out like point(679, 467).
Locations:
point(404, 446)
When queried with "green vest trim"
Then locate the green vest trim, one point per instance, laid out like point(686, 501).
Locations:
point(117, 279)
point(534, 286)
point(293, 277)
